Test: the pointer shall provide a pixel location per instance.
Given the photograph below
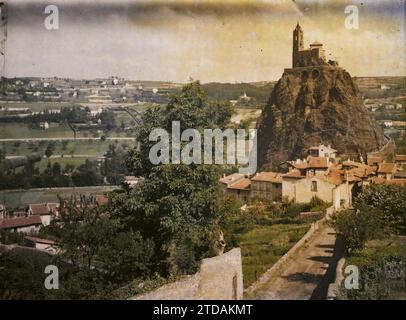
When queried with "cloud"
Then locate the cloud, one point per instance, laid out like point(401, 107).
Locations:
point(208, 40)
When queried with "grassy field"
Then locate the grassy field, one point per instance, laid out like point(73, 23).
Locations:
point(36, 106)
point(21, 198)
point(23, 130)
point(67, 148)
point(123, 116)
point(382, 266)
point(262, 246)
point(77, 161)
point(246, 114)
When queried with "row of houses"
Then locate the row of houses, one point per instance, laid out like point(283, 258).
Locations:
point(37, 215)
point(322, 174)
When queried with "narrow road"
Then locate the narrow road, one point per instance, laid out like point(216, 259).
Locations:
point(308, 273)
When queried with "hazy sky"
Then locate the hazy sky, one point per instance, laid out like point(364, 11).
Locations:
point(224, 41)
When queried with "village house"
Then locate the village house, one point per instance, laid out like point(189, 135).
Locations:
point(29, 224)
point(386, 170)
point(393, 182)
point(46, 211)
point(44, 125)
point(132, 181)
point(329, 188)
point(236, 185)
point(388, 123)
point(267, 185)
point(3, 211)
point(374, 159)
point(41, 244)
point(226, 181)
point(100, 199)
point(400, 159)
point(240, 189)
point(311, 166)
point(323, 151)
point(358, 172)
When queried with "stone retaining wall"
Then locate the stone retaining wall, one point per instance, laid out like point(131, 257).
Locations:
point(219, 278)
point(276, 268)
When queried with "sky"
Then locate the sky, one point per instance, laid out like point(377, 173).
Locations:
point(210, 40)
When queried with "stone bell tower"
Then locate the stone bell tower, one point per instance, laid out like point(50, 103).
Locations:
point(297, 44)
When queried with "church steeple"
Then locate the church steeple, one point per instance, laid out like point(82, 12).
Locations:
point(297, 43)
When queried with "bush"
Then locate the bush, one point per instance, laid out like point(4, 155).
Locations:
point(382, 273)
point(360, 225)
point(378, 211)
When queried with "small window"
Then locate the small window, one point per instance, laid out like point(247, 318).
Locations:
point(314, 186)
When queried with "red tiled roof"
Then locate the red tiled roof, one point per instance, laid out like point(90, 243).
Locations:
point(243, 184)
point(350, 163)
point(231, 177)
point(293, 174)
point(39, 208)
point(274, 177)
point(396, 182)
point(53, 207)
point(361, 172)
point(40, 240)
point(400, 157)
point(318, 162)
point(386, 168)
point(20, 222)
point(335, 177)
point(101, 199)
point(131, 178)
point(298, 165)
point(374, 159)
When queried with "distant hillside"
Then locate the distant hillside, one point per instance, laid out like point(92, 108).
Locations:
point(232, 91)
point(373, 83)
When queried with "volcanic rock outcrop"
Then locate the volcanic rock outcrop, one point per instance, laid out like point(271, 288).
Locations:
point(313, 105)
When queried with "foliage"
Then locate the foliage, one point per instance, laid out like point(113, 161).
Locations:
point(9, 237)
point(378, 211)
point(391, 200)
point(382, 272)
point(176, 205)
point(87, 174)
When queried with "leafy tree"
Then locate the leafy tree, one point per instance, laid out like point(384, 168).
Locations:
point(56, 169)
point(87, 174)
point(391, 200)
point(378, 211)
point(98, 244)
point(358, 226)
point(176, 205)
point(49, 150)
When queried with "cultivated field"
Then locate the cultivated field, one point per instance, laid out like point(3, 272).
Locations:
point(23, 130)
point(21, 198)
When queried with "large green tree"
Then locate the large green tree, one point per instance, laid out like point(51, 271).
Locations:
point(177, 205)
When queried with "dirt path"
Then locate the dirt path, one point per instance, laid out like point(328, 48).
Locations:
point(308, 273)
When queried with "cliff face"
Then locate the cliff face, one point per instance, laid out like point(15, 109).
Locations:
point(314, 105)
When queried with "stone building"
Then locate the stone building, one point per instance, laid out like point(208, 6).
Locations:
point(330, 189)
point(26, 225)
point(323, 151)
point(240, 189)
point(301, 57)
point(386, 170)
point(267, 185)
